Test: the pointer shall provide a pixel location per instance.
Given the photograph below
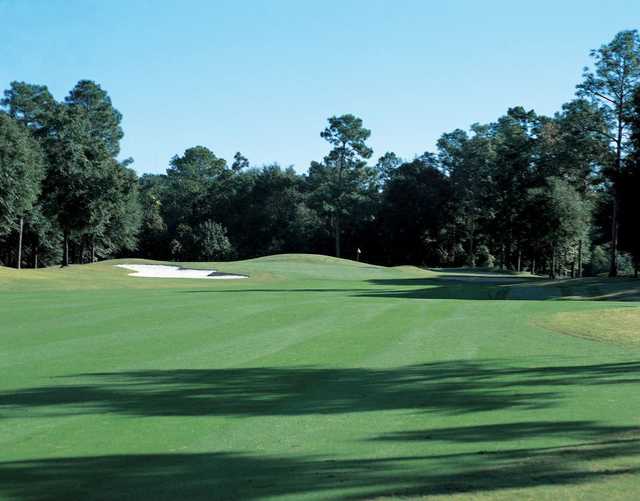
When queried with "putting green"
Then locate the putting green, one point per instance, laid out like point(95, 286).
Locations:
point(314, 378)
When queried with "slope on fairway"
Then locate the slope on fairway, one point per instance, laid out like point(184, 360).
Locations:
point(314, 378)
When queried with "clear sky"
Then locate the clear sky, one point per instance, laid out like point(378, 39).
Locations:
point(262, 76)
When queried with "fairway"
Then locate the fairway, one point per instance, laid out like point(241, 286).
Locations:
point(315, 378)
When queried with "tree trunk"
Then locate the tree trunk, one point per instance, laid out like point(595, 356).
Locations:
point(337, 235)
point(519, 258)
point(613, 268)
point(452, 251)
point(20, 243)
point(580, 258)
point(339, 205)
point(65, 250)
point(35, 257)
point(552, 271)
point(472, 255)
point(533, 265)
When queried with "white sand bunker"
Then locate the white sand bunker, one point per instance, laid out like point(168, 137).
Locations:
point(163, 271)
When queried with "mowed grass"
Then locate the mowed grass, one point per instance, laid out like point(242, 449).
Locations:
point(316, 378)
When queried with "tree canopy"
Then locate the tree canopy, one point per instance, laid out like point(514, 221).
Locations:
point(549, 194)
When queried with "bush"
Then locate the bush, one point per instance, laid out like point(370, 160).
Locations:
point(484, 258)
point(212, 242)
point(599, 263)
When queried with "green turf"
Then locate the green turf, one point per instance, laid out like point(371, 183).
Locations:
point(315, 378)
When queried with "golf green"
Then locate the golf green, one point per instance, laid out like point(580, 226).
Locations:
point(315, 378)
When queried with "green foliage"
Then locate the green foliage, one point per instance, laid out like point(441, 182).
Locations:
point(42, 238)
point(76, 176)
point(386, 166)
point(153, 230)
point(561, 218)
point(176, 249)
point(599, 261)
point(615, 76)
point(574, 146)
point(628, 188)
point(421, 190)
point(343, 182)
point(484, 257)
point(91, 196)
point(611, 87)
point(32, 105)
point(239, 162)
point(524, 192)
point(103, 120)
point(276, 220)
point(467, 161)
point(212, 241)
point(125, 213)
point(189, 180)
point(347, 135)
point(21, 172)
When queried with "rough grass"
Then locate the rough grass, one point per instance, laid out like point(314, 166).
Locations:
point(617, 325)
point(315, 378)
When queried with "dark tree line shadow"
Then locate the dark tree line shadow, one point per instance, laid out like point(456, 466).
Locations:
point(473, 287)
point(453, 387)
point(506, 432)
point(483, 287)
point(245, 476)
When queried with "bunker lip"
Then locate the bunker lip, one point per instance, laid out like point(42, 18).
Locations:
point(168, 271)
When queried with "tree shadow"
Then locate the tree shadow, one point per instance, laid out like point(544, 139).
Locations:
point(245, 476)
point(598, 450)
point(474, 286)
point(451, 387)
point(516, 288)
point(505, 432)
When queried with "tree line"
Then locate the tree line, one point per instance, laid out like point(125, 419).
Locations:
point(549, 194)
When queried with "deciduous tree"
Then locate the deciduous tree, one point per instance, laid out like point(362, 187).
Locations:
point(21, 172)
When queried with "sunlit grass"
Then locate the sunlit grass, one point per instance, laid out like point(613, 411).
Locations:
point(616, 325)
point(316, 378)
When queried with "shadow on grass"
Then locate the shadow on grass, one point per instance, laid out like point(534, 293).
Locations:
point(452, 387)
point(476, 286)
point(458, 286)
point(599, 451)
point(505, 432)
point(244, 476)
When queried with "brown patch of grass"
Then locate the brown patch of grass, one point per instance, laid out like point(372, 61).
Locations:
point(616, 325)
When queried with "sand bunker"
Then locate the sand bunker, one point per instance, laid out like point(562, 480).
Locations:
point(163, 271)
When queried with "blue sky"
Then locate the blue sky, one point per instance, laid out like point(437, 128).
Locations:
point(262, 76)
